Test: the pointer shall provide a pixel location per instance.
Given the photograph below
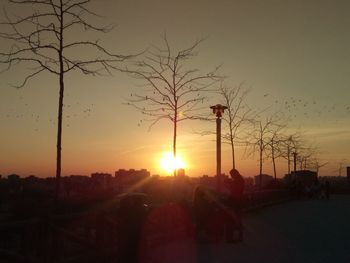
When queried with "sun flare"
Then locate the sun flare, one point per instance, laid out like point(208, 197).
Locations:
point(169, 163)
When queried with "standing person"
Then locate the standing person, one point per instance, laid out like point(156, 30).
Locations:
point(202, 210)
point(236, 187)
point(327, 189)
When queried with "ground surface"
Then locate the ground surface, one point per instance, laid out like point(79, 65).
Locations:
point(309, 231)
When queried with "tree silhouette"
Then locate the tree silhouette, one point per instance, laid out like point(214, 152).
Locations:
point(275, 142)
point(341, 166)
point(290, 144)
point(173, 90)
point(238, 114)
point(306, 155)
point(260, 138)
point(48, 38)
point(316, 164)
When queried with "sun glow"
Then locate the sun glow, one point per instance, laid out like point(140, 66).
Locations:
point(169, 163)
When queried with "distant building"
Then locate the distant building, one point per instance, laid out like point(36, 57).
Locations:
point(132, 173)
point(100, 175)
point(305, 177)
point(14, 182)
point(78, 177)
point(13, 177)
point(263, 180)
point(31, 179)
point(209, 181)
point(126, 178)
point(101, 179)
point(181, 172)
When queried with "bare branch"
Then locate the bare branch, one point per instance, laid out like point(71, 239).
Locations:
point(178, 92)
point(39, 38)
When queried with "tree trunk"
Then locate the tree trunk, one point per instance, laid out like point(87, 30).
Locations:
point(274, 162)
point(288, 158)
point(261, 165)
point(174, 142)
point(59, 138)
point(295, 164)
point(233, 155)
point(60, 111)
point(232, 140)
point(218, 153)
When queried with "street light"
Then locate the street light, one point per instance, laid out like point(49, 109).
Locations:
point(218, 110)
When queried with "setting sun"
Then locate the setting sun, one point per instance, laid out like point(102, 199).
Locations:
point(169, 163)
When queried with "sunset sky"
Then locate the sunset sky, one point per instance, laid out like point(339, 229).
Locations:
point(294, 55)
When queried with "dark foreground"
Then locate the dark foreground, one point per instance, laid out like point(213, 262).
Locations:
point(309, 231)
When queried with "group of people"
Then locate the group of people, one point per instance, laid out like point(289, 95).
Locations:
point(218, 216)
point(155, 235)
point(316, 189)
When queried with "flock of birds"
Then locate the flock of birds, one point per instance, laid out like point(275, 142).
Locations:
point(72, 113)
point(301, 109)
point(293, 108)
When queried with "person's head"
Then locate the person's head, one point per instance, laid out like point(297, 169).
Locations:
point(234, 173)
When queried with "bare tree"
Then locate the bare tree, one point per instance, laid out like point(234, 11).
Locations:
point(305, 156)
point(172, 89)
point(275, 143)
point(238, 115)
point(42, 41)
point(290, 146)
point(308, 156)
point(341, 166)
point(261, 137)
point(316, 164)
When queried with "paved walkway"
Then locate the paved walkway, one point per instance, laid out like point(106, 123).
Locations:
point(310, 231)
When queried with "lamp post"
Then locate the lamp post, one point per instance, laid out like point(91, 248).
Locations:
point(218, 110)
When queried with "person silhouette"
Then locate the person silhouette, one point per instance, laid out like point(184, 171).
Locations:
point(236, 187)
point(202, 210)
point(327, 189)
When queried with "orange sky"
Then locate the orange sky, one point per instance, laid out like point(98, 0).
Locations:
point(287, 50)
